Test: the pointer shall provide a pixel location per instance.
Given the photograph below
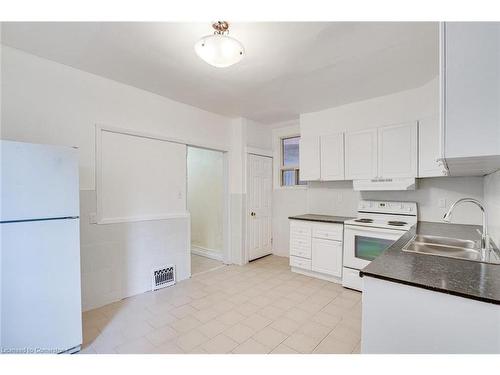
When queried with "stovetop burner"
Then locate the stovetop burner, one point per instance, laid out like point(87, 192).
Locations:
point(364, 220)
point(397, 223)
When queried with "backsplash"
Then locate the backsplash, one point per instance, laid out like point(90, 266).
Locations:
point(338, 198)
point(492, 201)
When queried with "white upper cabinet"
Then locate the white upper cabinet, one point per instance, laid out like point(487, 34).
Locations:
point(332, 157)
point(361, 154)
point(309, 158)
point(397, 151)
point(429, 148)
point(470, 84)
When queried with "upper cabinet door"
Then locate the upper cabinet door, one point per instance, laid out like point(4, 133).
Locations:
point(397, 151)
point(361, 155)
point(471, 78)
point(309, 158)
point(429, 148)
point(332, 157)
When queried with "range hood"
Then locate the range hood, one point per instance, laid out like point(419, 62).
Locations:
point(380, 184)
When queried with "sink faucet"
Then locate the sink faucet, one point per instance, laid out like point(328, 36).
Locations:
point(485, 239)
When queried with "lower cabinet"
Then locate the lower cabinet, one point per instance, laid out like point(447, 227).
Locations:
point(300, 262)
point(326, 257)
point(316, 249)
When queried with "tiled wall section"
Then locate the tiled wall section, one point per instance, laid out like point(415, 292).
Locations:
point(117, 259)
point(492, 200)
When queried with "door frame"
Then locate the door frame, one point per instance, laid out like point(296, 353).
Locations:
point(226, 225)
point(266, 154)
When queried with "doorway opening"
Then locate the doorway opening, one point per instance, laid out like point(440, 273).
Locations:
point(206, 205)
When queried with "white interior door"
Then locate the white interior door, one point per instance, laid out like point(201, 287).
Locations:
point(259, 216)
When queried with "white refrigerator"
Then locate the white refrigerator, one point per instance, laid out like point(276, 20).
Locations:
point(40, 249)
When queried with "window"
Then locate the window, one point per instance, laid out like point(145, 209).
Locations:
point(289, 169)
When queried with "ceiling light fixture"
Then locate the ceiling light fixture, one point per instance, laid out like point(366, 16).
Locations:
point(219, 49)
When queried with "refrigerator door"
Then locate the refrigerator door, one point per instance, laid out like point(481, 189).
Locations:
point(41, 302)
point(38, 181)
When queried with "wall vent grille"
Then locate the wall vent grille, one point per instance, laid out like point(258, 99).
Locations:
point(163, 277)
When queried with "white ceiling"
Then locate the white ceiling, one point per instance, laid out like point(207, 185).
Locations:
point(289, 68)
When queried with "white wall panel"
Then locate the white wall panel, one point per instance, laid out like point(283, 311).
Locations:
point(139, 178)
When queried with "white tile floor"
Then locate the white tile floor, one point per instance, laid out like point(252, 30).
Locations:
point(201, 264)
point(261, 307)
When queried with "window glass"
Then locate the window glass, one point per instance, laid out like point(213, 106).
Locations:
point(288, 178)
point(291, 152)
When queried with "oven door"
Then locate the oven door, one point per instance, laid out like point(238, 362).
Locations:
point(363, 244)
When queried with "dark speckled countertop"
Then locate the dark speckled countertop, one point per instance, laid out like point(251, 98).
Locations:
point(322, 218)
point(479, 281)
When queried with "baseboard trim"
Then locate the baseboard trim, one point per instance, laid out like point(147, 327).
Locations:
point(207, 253)
point(317, 275)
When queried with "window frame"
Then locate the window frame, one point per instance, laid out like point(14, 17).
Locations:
point(283, 168)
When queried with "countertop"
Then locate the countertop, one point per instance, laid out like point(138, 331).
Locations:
point(321, 218)
point(474, 280)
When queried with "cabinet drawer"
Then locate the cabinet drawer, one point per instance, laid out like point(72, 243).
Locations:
point(300, 229)
point(300, 237)
point(300, 243)
point(328, 231)
point(300, 263)
point(299, 251)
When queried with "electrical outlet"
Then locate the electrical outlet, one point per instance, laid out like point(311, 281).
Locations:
point(93, 218)
point(442, 203)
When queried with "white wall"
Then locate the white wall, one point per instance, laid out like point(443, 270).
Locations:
point(47, 102)
point(258, 135)
point(205, 198)
point(492, 201)
point(400, 107)
point(338, 198)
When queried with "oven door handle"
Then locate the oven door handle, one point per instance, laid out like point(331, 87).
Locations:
point(359, 228)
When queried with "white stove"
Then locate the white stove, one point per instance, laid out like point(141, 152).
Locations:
point(378, 225)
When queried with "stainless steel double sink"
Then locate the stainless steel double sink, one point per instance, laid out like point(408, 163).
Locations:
point(451, 248)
